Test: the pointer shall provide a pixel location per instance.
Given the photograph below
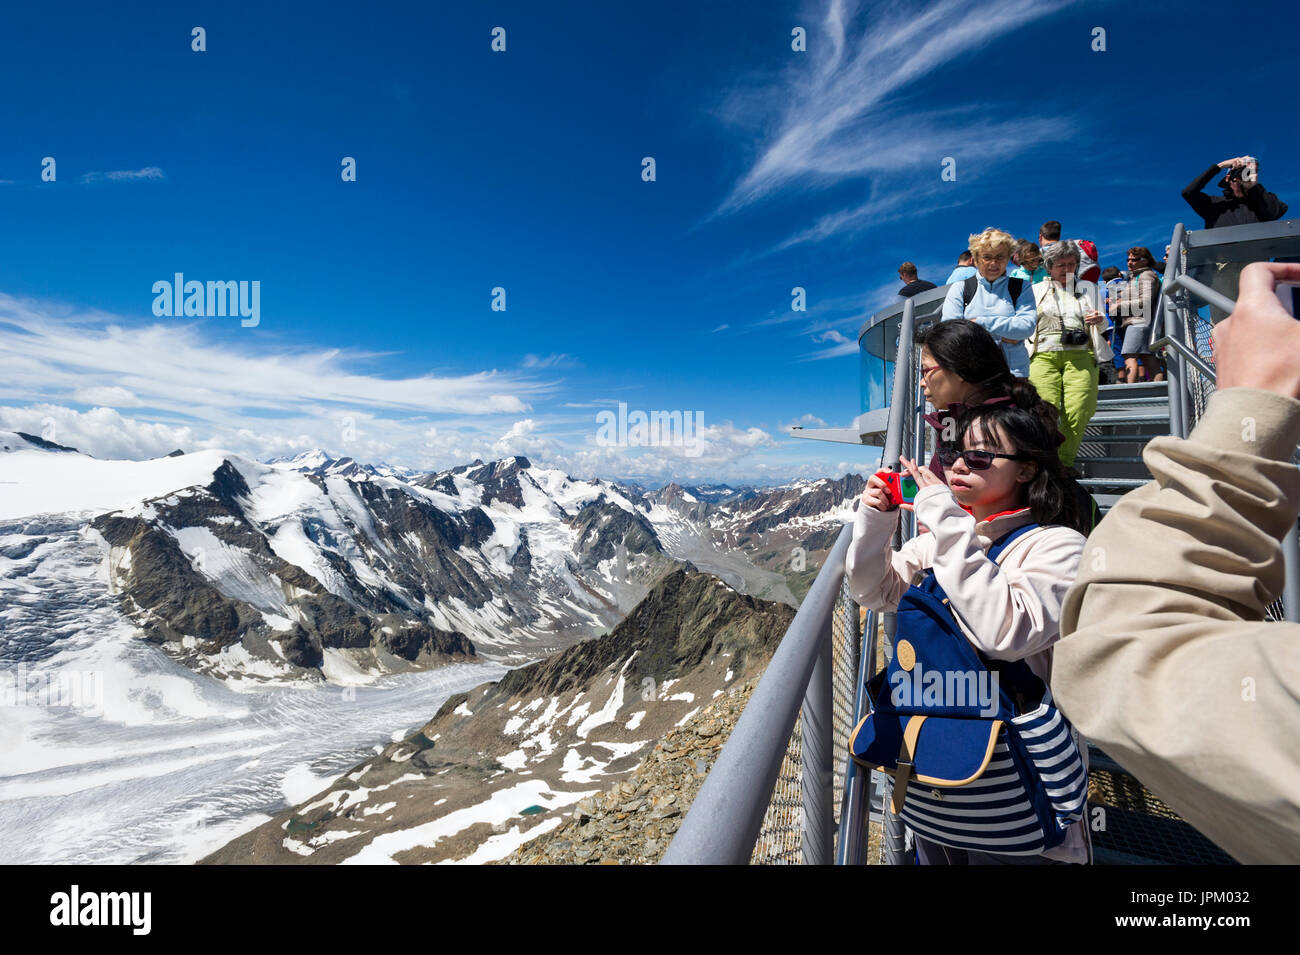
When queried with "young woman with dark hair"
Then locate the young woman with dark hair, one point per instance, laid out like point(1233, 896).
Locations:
point(962, 366)
point(1003, 473)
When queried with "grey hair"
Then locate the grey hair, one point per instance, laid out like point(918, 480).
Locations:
point(1067, 249)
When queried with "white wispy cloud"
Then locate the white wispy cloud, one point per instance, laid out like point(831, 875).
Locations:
point(178, 367)
point(550, 361)
point(125, 175)
point(847, 114)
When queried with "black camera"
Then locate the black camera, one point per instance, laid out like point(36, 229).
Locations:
point(1074, 338)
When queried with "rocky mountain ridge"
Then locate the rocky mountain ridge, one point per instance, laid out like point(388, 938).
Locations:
point(505, 762)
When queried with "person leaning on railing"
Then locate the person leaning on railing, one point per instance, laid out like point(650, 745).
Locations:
point(1004, 473)
point(1166, 659)
point(1008, 317)
point(1063, 363)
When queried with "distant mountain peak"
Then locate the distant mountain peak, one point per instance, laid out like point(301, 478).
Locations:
point(39, 442)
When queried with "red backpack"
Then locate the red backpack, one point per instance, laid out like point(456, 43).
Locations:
point(1089, 270)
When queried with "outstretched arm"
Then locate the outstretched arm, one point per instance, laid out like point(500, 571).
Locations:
point(1166, 660)
point(1197, 199)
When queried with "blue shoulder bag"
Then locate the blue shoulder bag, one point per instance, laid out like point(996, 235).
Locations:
point(981, 758)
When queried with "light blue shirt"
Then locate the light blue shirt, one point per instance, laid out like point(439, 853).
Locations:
point(993, 310)
point(960, 274)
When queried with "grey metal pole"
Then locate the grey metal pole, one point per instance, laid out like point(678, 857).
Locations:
point(893, 826)
point(856, 805)
point(727, 815)
point(1184, 393)
point(1170, 321)
point(818, 816)
point(1291, 589)
point(902, 388)
point(918, 435)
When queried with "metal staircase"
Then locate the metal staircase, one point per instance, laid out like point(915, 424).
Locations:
point(1110, 456)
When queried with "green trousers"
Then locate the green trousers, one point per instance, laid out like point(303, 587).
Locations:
point(1067, 379)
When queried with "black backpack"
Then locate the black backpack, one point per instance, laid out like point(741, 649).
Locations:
point(1014, 286)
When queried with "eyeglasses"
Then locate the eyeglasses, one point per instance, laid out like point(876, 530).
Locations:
point(976, 460)
point(925, 371)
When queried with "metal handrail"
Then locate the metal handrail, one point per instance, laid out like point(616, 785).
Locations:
point(726, 816)
point(1177, 290)
point(1187, 353)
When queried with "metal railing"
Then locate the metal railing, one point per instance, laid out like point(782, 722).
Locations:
point(1179, 326)
point(789, 739)
point(726, 819)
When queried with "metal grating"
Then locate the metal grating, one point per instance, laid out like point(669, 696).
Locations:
point(779, 841)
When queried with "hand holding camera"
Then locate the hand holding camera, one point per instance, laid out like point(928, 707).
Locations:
point(884, 491)
point(1258, 345)
point(1244, 168)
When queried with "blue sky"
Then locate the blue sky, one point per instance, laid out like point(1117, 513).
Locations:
point(522, 170)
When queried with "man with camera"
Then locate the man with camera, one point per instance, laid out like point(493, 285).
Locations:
point(1244, 201)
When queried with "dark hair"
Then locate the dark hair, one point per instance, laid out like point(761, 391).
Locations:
point(1051, 229)
point(1024, 246)
point(1109, 272)
point(973, 355)
point(1142, 252)
point(966, 257)
point(1050, 494)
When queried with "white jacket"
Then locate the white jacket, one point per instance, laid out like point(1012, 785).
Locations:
point(1012, 609)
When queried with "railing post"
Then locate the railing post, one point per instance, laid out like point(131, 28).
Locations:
point(1171, 325)
point(816, 744)
point(856, 810)
point(1291, 588)
point(902, 388)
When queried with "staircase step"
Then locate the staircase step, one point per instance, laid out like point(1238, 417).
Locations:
point(1108, 400)
point(1106, 501)
point(1113, 482)
point(1127, 417)
point(1137, 387)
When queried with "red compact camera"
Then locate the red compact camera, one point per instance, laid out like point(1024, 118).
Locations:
point(902, 487)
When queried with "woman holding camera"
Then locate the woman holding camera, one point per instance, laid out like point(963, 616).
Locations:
point(1064, 347)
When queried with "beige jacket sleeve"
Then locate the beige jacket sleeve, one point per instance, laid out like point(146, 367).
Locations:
point(1166, 660)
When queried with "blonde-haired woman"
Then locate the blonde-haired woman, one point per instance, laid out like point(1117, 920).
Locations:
point(993, 300)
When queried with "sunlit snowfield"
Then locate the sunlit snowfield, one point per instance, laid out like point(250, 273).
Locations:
point(159, 764)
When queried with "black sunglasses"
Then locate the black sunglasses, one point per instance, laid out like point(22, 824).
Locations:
point(977, 460)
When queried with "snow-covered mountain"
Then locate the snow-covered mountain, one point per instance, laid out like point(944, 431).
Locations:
point(313, 567)
point(319, 463)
